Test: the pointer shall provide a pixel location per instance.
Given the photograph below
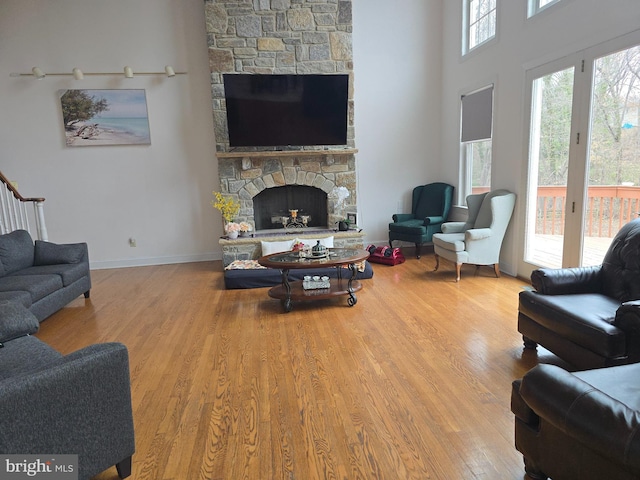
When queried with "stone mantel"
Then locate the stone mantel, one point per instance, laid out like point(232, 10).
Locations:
point(287, 153)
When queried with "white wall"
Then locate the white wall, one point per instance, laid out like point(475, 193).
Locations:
point(397, 68)
point(567, 27)
point(158, 194)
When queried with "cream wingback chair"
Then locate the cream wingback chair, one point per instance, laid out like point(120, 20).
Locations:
point(479, 239)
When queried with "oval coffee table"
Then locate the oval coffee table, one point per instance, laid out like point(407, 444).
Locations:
point(287, 292)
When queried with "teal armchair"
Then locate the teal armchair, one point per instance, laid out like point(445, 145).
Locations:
point(430, 207)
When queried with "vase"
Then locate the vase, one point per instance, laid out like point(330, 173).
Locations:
point(232, 235)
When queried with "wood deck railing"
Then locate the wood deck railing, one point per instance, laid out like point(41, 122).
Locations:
point(608, 209)
point(14, 213)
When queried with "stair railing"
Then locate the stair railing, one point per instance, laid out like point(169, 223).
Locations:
point(14, 211)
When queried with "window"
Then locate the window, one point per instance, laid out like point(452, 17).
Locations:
point(475, 138)
point(479, 23)
point(536, 6)
point(478, 163)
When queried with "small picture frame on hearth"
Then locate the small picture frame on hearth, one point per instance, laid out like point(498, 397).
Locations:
point(352, 219)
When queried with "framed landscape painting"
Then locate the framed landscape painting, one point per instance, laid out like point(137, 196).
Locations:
point(105, 117)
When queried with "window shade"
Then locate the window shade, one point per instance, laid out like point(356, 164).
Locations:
point(477, 115)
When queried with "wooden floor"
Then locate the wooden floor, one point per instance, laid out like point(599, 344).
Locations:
point(413, 382)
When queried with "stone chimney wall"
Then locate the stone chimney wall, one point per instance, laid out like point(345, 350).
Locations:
point(280, 37)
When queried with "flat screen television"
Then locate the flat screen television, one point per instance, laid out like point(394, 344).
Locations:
point(286, 110)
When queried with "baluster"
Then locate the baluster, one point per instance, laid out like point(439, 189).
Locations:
point(4, 227)
point(23, 220)
point(15, 214)
point(40, 225)
point(7, 209)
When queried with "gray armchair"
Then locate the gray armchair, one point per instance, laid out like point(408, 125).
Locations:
point(478, 240)
point(77, 404)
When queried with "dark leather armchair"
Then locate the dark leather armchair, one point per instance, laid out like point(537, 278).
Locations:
point(589, 316)
point(579, 425)
point(430, 205)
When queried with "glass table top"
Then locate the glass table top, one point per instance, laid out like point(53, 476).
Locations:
point(333, 255)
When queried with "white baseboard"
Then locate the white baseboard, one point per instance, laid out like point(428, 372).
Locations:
point(377, 243)
point(144, 262)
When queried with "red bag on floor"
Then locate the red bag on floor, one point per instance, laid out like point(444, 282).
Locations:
point(385, 255)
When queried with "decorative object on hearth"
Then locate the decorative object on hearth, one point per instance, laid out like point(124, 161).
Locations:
point(294, 221)
point(229, 208)
point(232, 229)
point(245, 228)
point(339, 196)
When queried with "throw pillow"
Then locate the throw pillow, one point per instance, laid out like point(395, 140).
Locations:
point(47, 253)
point(16, 321)
point(16, 251)
point(276, 247)
point(244, 265)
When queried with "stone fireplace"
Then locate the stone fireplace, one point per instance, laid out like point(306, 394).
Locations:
point(282, 37)
point(248, 177)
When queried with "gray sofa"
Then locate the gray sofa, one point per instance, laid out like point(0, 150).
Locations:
point(43, 277)
point(50, 404)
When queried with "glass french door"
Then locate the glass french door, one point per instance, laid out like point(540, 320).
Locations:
point(583, 179)
point(613, 186)
point(551, 113)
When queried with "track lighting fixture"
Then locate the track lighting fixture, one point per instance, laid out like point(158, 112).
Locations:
point(78, 74)
point(37, 73)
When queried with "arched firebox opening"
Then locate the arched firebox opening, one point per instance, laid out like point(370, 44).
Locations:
point(270, 205)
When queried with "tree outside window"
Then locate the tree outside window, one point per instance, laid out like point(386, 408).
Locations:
point(479, 162)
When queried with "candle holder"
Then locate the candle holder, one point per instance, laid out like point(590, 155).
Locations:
point(294, 221)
